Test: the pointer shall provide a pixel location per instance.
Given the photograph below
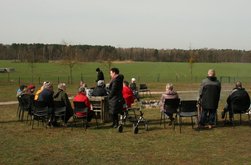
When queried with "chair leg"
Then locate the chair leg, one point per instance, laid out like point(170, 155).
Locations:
point(161, 113)
point(180, 122)
point(192, 120)
point(240, 118)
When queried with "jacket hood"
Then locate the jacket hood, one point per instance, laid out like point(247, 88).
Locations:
point(212, 78)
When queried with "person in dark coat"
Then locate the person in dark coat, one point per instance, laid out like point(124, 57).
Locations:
point(46, 96)
point(100, 75)
point(238, 100)
point(99, 90)
point(116, 100)
point(209, 96)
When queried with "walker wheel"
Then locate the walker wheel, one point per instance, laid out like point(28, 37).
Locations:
point(135, 129)
point(120, 128)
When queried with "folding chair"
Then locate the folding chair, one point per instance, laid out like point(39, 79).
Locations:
point(40, 112)
point(239, 106)
point(59, 110)
point(80, 108)
point(188, 108)
point(170, 105)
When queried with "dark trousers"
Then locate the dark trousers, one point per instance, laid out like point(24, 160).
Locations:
point(207, 116)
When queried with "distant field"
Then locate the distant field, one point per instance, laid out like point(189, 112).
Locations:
point(155, 74)
point(142, 71)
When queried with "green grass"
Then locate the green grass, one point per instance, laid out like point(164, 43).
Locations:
point(22, 145)
point(155, 74)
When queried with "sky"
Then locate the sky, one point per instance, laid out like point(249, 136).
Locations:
point(158, 24)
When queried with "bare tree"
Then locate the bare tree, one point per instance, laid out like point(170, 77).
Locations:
point(69, 58)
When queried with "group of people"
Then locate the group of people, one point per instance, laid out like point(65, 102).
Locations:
point(122, 94)
point(209, 94)
point(118, 91)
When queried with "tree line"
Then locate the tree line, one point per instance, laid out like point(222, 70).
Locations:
point(90, 53)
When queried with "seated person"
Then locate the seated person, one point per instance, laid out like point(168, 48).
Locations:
point(100, 89)
point(134, 88)
point(61, 95)
point(39, 90)
point(81, 97)
point(169, 94)
point(27, 99)
point(31, 90)
point(46, 96)
point(20, 90)
point(127, 94)
point(238, 100)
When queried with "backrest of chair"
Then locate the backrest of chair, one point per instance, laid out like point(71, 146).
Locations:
point(79, 106)
point(60, 108)
point(240, 105)
point(142, 86)
point(172, 103)
point(40, 107)
point(58, 104)
point(188, 106)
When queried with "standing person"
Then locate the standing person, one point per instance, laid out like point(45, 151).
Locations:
point(169, 94)
point(61, 95)
point(238, 100)
point(100, 75)
point(209, 96)
point(116, 100)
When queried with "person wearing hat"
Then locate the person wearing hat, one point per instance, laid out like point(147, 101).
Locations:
point(99, 90)
point(81, 97)
point(62, 96)
point(100, 75)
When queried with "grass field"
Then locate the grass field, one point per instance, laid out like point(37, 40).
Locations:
point(19, 144)
point(155, 74)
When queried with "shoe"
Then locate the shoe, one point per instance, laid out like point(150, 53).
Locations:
point(223, 115)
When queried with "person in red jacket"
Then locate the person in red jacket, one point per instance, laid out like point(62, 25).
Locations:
point(127, 94)
point(81, 97)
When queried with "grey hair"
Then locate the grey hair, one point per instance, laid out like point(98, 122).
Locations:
point(61, 86)
point(169, 86)
point(81, 89)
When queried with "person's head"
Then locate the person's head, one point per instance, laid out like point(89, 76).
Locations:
point(81, 89)
point(114, 72)
point(31, 88)
point(211, 73)
point(48, 86)
point(169, 86)
point(22, 87)
point(100, 83)
point(62, 86)
point(133, 80)
point(126, 83)
point(238, 84)
point(97, 70)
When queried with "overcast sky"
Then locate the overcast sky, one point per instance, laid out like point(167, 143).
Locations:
point(160, 24)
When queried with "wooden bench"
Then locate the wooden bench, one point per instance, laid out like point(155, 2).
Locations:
point(100, 107)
